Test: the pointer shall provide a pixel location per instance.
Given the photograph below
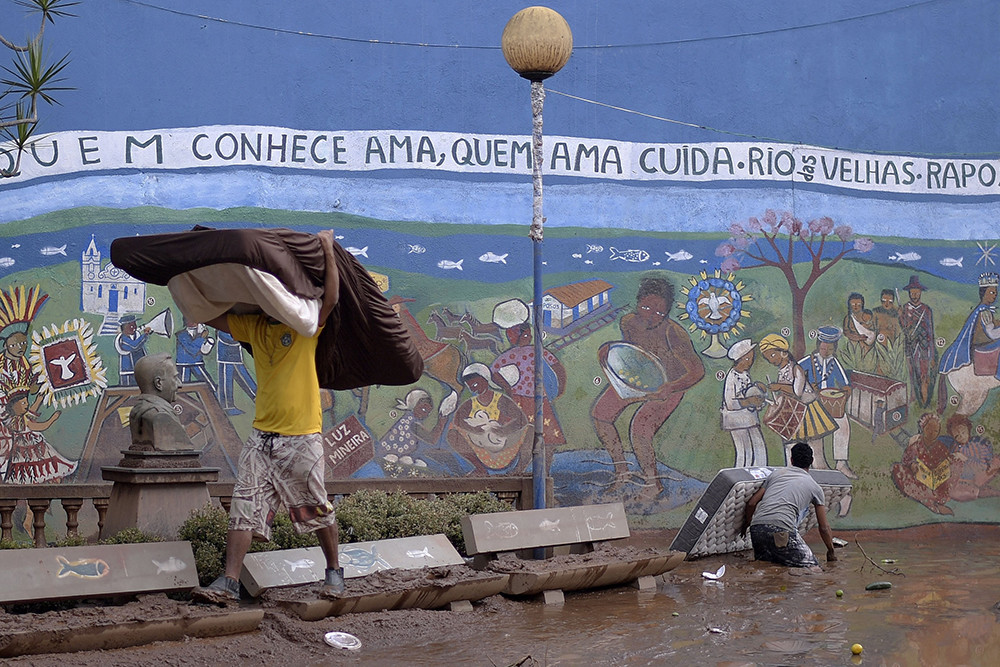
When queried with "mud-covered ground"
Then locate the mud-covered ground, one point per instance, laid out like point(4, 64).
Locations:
point(939, 611)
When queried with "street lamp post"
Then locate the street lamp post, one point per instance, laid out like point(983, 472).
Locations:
point(537, 43)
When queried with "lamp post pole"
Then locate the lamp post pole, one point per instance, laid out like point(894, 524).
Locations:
point(537, 43)
point(538, 469)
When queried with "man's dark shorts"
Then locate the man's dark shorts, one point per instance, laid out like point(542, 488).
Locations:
point(777, 545)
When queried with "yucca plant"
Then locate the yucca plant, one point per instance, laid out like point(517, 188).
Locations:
point(30, 80)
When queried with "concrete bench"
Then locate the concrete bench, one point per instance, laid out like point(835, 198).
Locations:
point(43, 575)
point(289, 567)
point(507, 536)
point(275, 569)
point(62, 573)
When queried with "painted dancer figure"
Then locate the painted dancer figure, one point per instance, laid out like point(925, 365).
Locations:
point(742, 399)
point(30, 458)
point(917, 321)
point(232, 372)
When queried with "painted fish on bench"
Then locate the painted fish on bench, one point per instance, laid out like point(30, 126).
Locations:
point(363, 561)
point(601, 522)
point(422, 553)
point(86, 568)
point(505, 530)
point(301, 564)
point(171, 565)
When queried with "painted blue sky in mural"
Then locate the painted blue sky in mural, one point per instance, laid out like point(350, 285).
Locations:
point(708, 209)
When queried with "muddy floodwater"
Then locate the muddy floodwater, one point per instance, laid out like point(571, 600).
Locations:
point(939, 611)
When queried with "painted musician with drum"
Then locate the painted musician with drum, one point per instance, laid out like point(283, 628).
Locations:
point(830, 381)
point(795, 413)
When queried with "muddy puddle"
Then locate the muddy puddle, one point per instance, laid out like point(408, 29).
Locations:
point(938, 612)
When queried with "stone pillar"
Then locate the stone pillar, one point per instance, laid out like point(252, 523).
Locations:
point(156, 491)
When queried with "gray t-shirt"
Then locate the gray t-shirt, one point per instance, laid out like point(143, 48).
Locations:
point(788, 492)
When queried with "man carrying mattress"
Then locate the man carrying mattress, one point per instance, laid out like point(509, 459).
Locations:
point(313, 318)
point(774, 512)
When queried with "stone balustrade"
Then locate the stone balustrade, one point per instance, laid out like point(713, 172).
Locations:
point(518, 491)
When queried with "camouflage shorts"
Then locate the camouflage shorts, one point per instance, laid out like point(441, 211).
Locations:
point(276, 470)
point(778, 545)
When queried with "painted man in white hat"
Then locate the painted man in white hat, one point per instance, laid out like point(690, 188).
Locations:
point(742, 398)
point(824, 372)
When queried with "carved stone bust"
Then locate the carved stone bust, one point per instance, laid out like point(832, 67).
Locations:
point(152, 421)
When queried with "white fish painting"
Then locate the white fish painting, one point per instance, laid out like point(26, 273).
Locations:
point(656, 263)
point(415, 249)
point(493, 258)
point(54, 250)
point(947, 261)
point(448, 264)
point(301, 564)
point(550, 526)
point(339, 237)
point(703, 261)
point(422, 553)
point(6, 261)
point(679, 256)
point(15, 245)
point(357, 252)
point(588, 261)
point(172, 564)
point(594, 248)
point(577, 255)
point(634, 255)
point(904, 257)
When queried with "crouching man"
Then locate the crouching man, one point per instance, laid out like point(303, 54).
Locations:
point(774, 512)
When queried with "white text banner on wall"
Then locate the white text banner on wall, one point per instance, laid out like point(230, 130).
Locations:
point(73, 153)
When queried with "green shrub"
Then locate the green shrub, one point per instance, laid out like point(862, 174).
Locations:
point(14, 544)
point(375, 515)
point(130, 536)
point(206, 530)
point(71, 541)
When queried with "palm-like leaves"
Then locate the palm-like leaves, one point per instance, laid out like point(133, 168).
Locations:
point(30, 79)
point(49, 9)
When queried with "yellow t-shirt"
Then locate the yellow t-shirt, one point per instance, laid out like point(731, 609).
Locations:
point(288, 399)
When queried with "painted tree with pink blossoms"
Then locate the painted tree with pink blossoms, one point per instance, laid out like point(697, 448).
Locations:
point(781, 240)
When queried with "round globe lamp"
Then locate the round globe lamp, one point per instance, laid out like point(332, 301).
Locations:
point(537, 42)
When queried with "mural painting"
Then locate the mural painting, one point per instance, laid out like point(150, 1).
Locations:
point(657, 373)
